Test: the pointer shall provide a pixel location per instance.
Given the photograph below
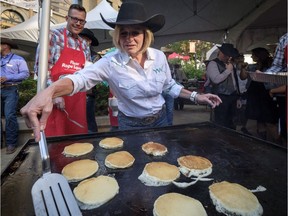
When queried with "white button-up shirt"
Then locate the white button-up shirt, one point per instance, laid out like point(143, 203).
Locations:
point(137, 89)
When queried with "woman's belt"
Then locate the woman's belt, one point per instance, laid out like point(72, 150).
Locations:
point(147, 120)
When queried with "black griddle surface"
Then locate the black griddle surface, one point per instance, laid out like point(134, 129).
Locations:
point(235, 157)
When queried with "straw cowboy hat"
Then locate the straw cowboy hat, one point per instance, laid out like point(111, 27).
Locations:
point(166, 50)
point(227, 49)
point(133, 13)
point(10, 42)
point(89, 34)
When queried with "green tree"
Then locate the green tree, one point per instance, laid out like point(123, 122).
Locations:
point(194, 68)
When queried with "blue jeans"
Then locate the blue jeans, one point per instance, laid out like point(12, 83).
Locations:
point(9, 102)
point(90, 114)
point(169, 104)
point(128, 123)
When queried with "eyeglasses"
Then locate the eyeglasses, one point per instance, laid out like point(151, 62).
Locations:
point(76, 20)
point(124, 34)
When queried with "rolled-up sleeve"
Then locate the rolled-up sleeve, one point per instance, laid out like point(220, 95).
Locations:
point(174, 89)
point(89, 76)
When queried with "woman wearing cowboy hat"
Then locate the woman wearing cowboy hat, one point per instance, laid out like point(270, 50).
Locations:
point(136, 73)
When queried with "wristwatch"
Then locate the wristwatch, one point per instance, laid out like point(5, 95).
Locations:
point(193, 97)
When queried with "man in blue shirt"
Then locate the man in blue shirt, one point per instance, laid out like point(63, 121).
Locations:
point(14, 69)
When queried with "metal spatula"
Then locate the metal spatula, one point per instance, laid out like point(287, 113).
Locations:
point(51, 193)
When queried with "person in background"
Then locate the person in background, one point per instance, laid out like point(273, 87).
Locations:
point(222, 78)
point(280, 56)
point(169, 100)
point(280, 92)
point(91, 94)
point(242, 100)
point(260, 106)
point(180, 78)
point(67, 54)
point(136, 73)
point(14, 70)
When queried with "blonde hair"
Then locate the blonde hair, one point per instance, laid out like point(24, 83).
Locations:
point(148, 39)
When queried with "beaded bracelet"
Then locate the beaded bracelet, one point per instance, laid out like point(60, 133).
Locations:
point(193, 97)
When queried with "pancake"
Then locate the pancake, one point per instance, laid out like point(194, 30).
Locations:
point(234, 199)
point(159, 174)
point(94, 192)
point(175, 204)
point(155, 149)
point(111, 143)
point(191, 165)
point(77, 149)
point(121, 159)
point(80, 169)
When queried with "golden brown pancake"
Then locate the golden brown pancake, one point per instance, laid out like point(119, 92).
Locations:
point(175, 204)
point(155, 149)
point(191, 165)
point(234, 199)
point(111, 143)
point(94, 192)
point(77, 149)
point(159, 174)
point(120, 159)
point(80, 169)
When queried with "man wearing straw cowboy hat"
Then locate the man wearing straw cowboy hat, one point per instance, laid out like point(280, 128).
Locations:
point(14, 69)
point(137, 74)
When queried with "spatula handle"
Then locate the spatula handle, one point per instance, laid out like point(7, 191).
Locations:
point(44, 153)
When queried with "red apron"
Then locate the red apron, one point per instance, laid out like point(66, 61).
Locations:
point(58, 124)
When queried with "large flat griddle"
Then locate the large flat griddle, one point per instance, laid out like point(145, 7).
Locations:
point(236, 158)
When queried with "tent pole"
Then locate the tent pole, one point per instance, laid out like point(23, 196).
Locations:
point(44, 45)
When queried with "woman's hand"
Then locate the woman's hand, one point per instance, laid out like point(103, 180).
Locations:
point(37, 111)
point(210, 99)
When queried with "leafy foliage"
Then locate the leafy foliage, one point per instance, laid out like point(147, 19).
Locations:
point(27, 90)
point(101, 94)
point(191, 70)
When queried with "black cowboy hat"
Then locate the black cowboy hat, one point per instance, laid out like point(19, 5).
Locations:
point(133, 13)
point(227, 49)
point(89, 34)
point(235, 53)
point(10, 42)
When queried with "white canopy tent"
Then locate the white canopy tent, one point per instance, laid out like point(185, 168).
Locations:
point(26, 31)
point(26, 34)
point(245, 23)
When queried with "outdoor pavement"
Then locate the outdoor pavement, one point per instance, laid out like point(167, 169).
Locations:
point(190, 114)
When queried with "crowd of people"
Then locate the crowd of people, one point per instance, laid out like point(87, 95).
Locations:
point(144, 87)
point(243, 98)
